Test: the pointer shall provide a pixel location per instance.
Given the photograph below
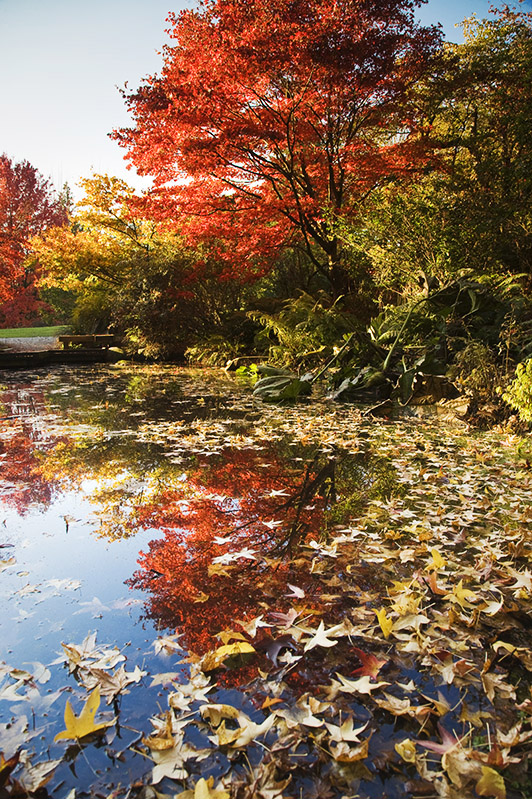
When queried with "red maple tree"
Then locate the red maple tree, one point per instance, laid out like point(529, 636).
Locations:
point(27, 207)
point(272, 118)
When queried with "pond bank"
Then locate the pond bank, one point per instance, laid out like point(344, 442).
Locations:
point(30, 359)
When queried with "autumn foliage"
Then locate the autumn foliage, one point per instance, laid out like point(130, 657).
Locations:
point(272, 119)
point(191, 578)
point(27, 207)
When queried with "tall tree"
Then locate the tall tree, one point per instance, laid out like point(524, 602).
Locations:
point(271, 117)
point(27, 207)
point(482, 116)
point(123, 269)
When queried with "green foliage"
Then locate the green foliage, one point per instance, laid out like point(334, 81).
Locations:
point(519, 392)
point(92, 310)
point(477, 371)
point(277, 388)
point(305, 331)
point(215, 350)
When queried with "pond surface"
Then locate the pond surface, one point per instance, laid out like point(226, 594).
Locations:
point(152, 518)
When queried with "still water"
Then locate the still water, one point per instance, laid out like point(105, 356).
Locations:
point(157, 525)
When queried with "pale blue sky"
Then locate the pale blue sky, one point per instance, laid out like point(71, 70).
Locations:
point(60, 64)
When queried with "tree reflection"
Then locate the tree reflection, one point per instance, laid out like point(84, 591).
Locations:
point(224, 528)
point(24, 442)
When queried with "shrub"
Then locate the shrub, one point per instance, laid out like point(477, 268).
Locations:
point(519, 392)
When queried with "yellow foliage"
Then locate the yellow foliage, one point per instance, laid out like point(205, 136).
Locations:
point(77, 727)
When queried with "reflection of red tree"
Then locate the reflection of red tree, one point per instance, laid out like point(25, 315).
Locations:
point(21, 479)
point(230, 499)
point(22, 442)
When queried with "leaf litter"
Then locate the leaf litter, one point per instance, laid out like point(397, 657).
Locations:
point(383, 642)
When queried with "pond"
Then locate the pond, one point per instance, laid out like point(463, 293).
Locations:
point(207, 596)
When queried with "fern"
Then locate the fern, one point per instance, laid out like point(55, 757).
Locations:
point(305, 331)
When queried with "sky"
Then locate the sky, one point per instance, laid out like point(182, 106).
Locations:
point(62, 63)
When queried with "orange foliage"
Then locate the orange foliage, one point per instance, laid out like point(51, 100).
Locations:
point(223, 509)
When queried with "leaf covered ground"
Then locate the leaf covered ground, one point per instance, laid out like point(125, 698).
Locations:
point(343, 605)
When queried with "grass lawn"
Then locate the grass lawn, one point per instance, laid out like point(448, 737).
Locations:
point(32, 332)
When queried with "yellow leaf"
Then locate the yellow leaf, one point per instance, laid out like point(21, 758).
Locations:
point(77, 727)
point(213, 660)
point(438, 561)
point(228, 635)
point(216, 713)
point(204, 790)
point(227, 737)
point(162, 740)
point(407, 750)
point(461, 596)
point(386, 624)
point(491, 784)
point(345, 753)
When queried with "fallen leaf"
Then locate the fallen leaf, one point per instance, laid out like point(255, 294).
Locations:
point(204, 790)
point(386, 624)
point(217, 658)
point(406, 749)
point(320, 637)
point(345, 732)
point(361, 686)
point(491, 784)
point(371, 665)
point(77, 727)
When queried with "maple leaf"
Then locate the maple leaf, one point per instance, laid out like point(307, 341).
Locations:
point(461, 596)
point(523, 580)
point(371, 665)
point(491, 784)
point(169, 763)
point(111, 684)
point(168, 644)
point(344, 753)
point(33, 778)
point(217, 658)
point(195, 690)
point(229, 557)
point(78, 727)
point(204, 790)
point(449, 741)
point(386, 624)
point(402, 707)
point(494, 683)
point(246, 732)
point(320, 637)
point(361, 686)
point(163, 739)
point(345, 732)
point(437, 562)
point(251, 626)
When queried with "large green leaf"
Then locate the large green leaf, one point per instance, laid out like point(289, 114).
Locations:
point(281, 387)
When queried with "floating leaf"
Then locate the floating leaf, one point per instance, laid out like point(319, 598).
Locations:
point(216, 659)
point(386, 624)
point(407, 750)
point(204, 790)
point(77, 727)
